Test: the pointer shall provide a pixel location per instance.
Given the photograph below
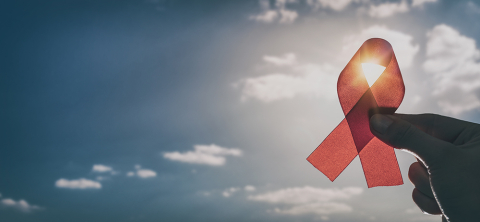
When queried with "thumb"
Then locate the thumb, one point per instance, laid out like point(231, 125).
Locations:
point(402, 134)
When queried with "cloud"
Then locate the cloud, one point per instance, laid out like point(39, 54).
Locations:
point(287, 59)
point(307, 194)
point(472, 7)
point(228, 192)
point(249, 188)
point(453, 62)
point(100, 178)
point(141, 173)
point(336, 5)
point(277, 13)
point(309, 200)
point(204, 154)
point(99, 168)
point(319, 208)
point(81, 183)
point(403, 47)
point(420, 3)
point(388, 9)
point(301, 79)
point(309, 79)
point(20, 205)
point(267, 16)
point(146, 173)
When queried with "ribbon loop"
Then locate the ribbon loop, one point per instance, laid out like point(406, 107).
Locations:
point(352, 136)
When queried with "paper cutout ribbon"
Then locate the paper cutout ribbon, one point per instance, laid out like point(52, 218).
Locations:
point(352, 136)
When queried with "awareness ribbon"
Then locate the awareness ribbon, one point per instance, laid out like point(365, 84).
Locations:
point(352, 136)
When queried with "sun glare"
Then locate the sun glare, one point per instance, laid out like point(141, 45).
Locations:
point(372, 72)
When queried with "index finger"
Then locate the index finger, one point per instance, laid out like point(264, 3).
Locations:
point(441, 127)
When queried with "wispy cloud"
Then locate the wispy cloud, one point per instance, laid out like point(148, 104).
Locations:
point(299, 79)
point(275, 13)
point(309, 200)
point(249, 188)
point(402, 43)
point(336, 5)
point(146, 173)
point(230, 191)
point(420, 3)
point(142, 173)
point(453, 61)
point(472, 7)
point(81, 184)
point(99, 168)
point(388, 9)
point(212, 154)
point(287, 59)
point(21, 205)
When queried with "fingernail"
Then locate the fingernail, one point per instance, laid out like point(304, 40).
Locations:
point(380, 123)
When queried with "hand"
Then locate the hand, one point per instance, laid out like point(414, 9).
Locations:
point(447, 178)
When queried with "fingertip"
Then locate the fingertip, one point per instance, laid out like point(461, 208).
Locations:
point(425, 203)
point(412, 173)
point(420, 179)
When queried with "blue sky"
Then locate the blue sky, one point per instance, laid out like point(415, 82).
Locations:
point(206, 110)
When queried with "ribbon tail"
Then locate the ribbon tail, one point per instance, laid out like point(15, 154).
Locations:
point(335, 153)
point(380, 164)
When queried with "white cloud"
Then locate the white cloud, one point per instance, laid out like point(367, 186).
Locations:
point(453, 62)
point(403, 47)
point(99, 168)
point(388, 9)
point(420, 3)
point(146, 173)
point(277, 13)
point(309, 200)
point(266, 16)
point(286, 59)
point(21, 205)
point(230, 191)
point(307, 194)
point(336, 5)
point(204, 154)
point(305, 79)
point(141, 173)
point(287, 16)
point(81, 183)
point(249, 188)
point(320, 208)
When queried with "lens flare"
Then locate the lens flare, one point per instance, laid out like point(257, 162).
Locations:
point(372, 72)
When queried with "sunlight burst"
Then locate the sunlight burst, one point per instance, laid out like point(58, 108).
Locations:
point(372, 72)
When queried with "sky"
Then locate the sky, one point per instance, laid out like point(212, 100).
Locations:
point(176, 110)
